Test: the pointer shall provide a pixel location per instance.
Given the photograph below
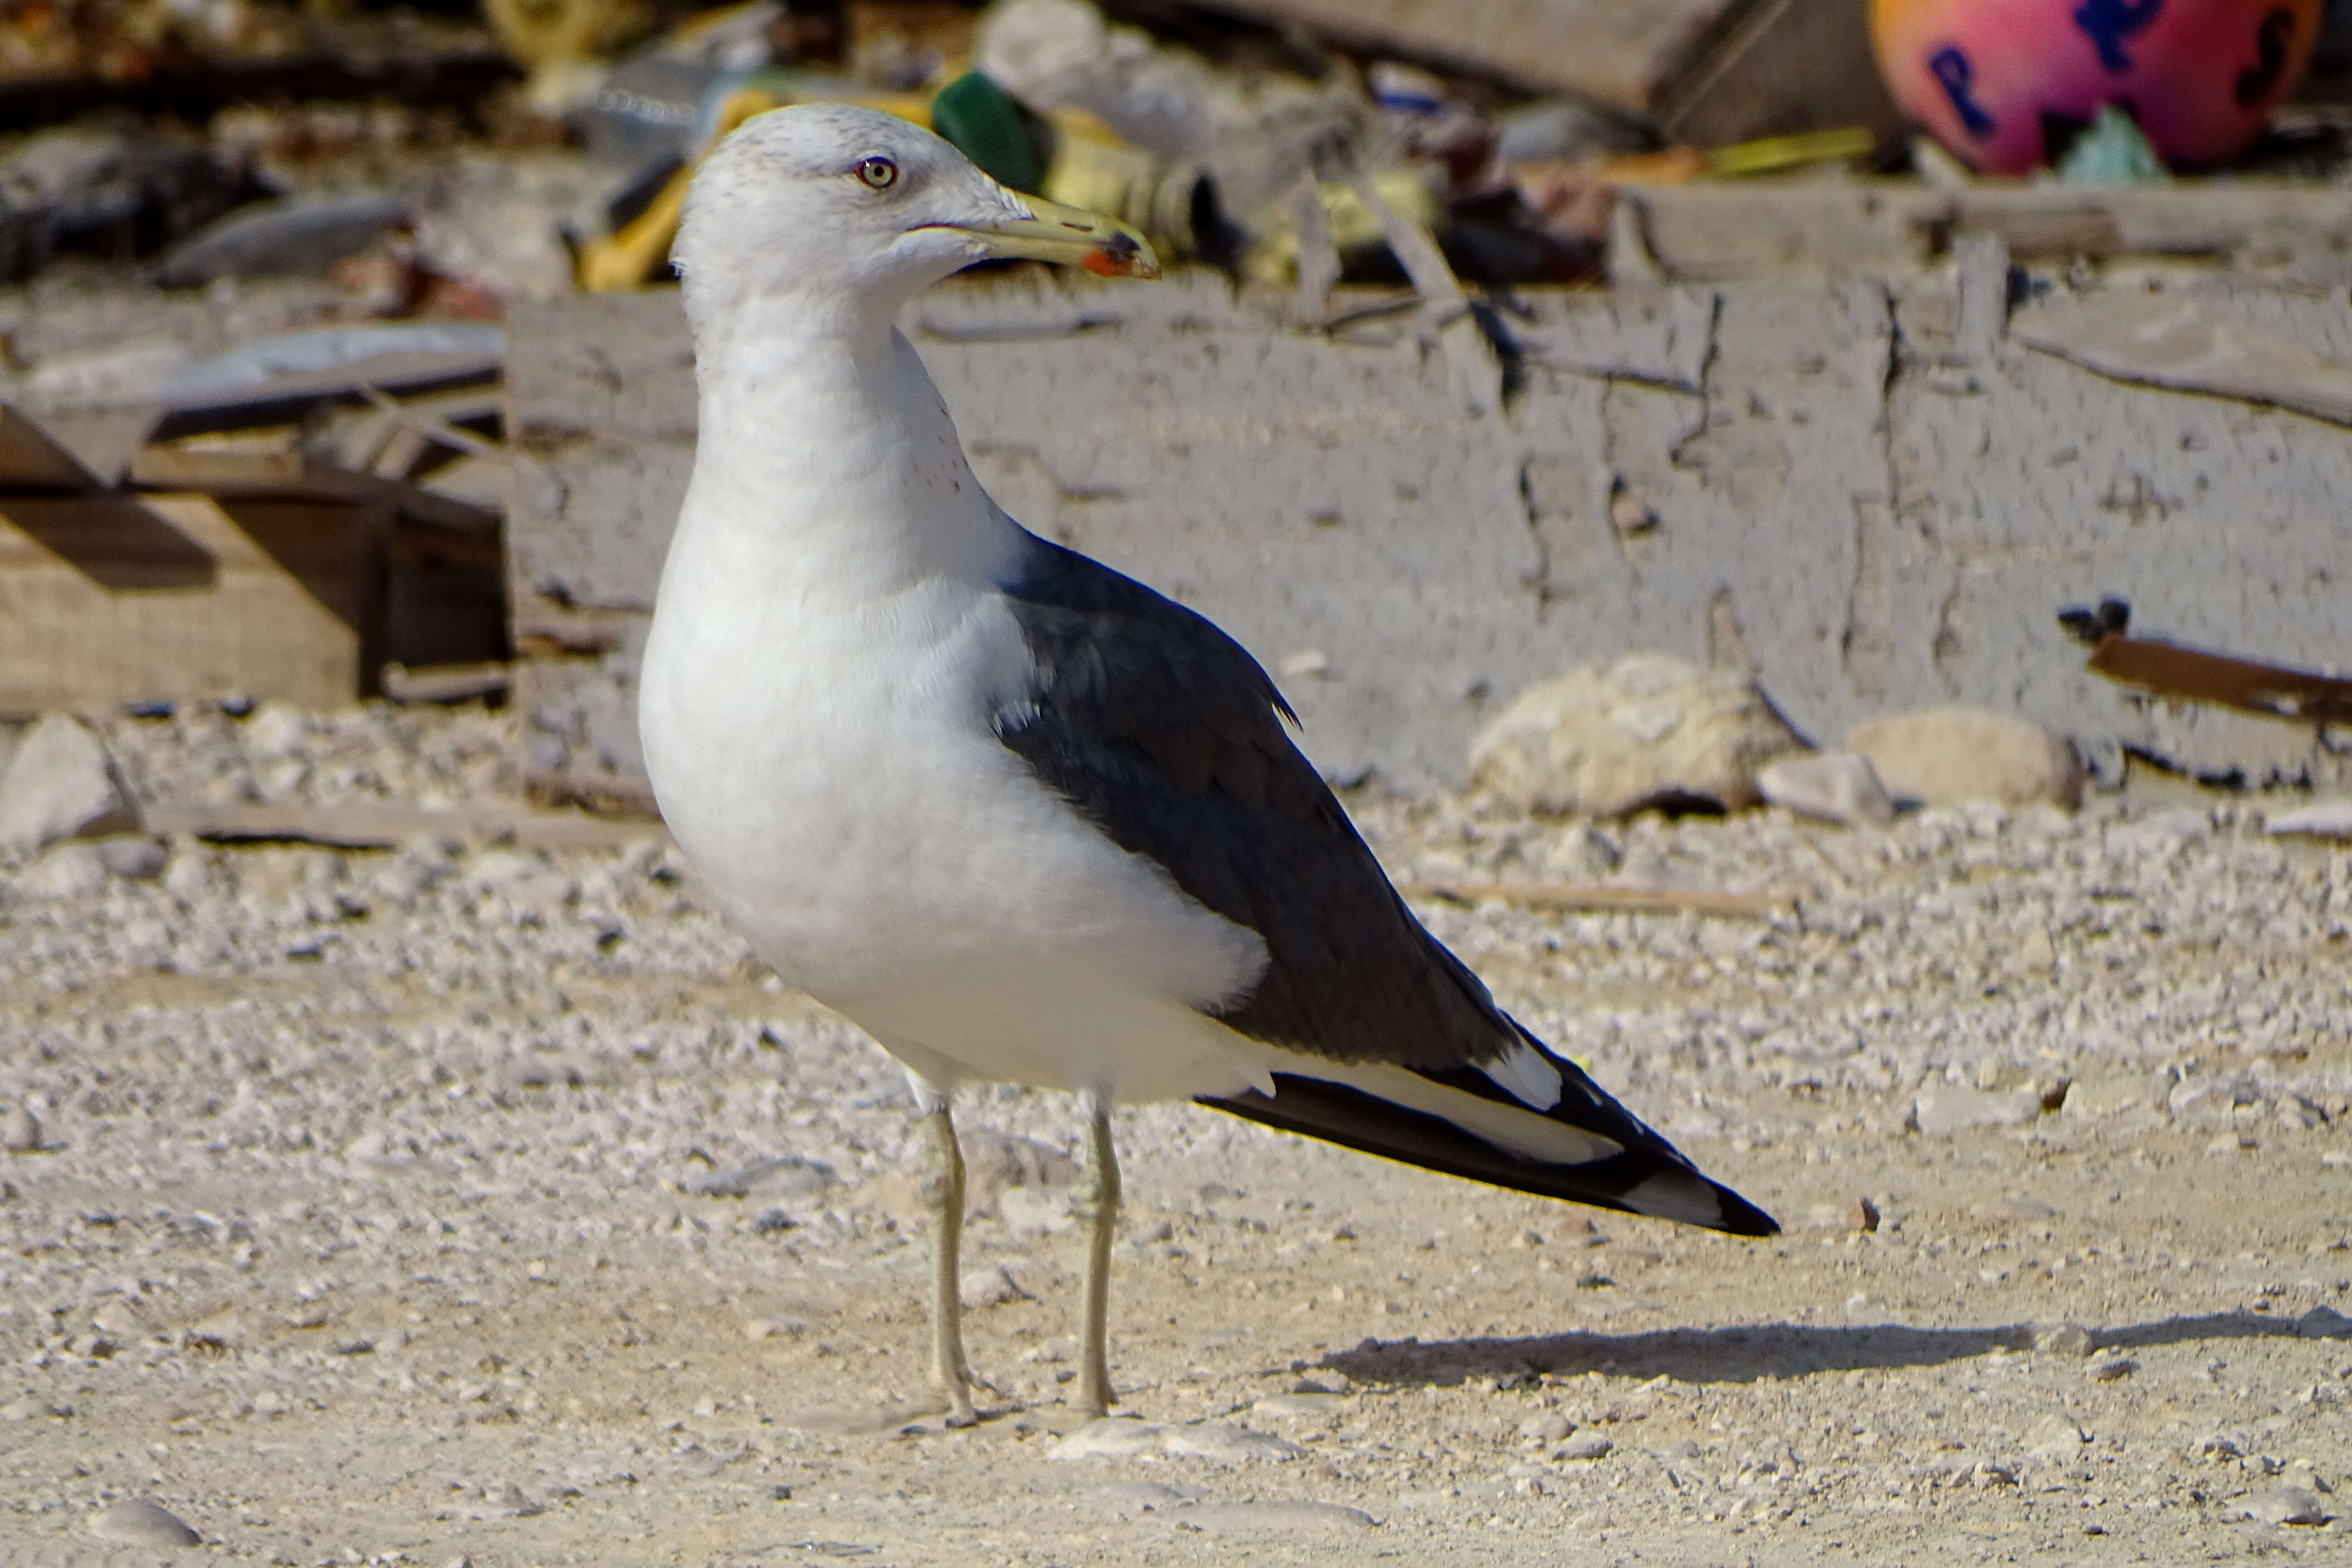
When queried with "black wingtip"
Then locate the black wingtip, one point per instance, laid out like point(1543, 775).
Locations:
point(1741, 1218)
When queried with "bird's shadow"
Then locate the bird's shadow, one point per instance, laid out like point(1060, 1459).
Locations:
point(1745, 1354)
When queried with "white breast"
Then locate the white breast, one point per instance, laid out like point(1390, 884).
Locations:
point(817, 701)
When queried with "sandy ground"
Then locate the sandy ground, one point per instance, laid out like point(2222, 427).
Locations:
point(464, 1200)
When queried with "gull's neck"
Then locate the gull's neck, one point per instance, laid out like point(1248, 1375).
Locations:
point(826, 458)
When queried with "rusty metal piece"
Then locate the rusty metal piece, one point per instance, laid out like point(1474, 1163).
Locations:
point(2193, 674)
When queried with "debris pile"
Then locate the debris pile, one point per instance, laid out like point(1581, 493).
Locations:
point(324, 509)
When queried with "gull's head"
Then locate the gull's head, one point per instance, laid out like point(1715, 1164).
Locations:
point(831, 204)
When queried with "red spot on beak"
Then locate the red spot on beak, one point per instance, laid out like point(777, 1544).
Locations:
point(1103, 263)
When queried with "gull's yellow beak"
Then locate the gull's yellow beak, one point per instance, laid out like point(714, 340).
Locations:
point(1071, 236)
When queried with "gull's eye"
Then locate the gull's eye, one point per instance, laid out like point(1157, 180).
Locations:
point(878, 172)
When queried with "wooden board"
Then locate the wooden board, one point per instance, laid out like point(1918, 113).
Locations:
point(106, 599)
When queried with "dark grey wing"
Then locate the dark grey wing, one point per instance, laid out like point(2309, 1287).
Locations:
point(1167, 735)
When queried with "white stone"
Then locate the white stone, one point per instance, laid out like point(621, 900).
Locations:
point(142, 1523)
point(1606, 740)
point(1549, 1426)
point(994, 1162)
point(61, 784)
point(2056, 1438)
point(131, 858)
point(2287, 1505)
point(279, 730)
point(2322, 819)
point(1269, 1517)
point(1943, 1109)
point(1836, 786)
point(1951, 756)
point(71, 870)
point(20, 1131)
point(1110, 1438)
point(1584, 1445)
point(2162, 832)
point(991, 1285)
point(1035, 1210)
point(1228, 1443)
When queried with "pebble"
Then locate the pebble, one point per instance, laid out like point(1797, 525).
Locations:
point(59, 784)
point(2112, 1371)
point(1223, 1443)
point(1834, 787)
point(991, 1285)
point(27, 1407)
point(2163, 831)
point(1299, 1405)
point(1035, 1211)
point(1110, 1438)
point(785, 1176)
point(121, 1318)
point(1584, 1445)
point(20, 1131)
point(2323, 819)
point(72, 870)
point(1944, 1108)
point(2056, 1438)
point(2057, 1340)
point(140, 1522)
point(2287, 1505)
point(133, 859)
point(1551, 1426)
point(1255, 1518)
point(774, 1328)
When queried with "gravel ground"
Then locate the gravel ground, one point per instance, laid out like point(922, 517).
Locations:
point(467, 1200)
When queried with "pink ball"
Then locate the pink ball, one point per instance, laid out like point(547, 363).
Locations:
point(2200, 76)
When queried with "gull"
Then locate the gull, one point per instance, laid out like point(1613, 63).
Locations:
point(1017, 816)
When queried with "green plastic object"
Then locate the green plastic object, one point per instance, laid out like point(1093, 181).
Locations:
point(985, 125)
point(2112, 151)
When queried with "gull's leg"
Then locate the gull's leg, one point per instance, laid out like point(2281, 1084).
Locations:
point(943, 1201)
point(1095, 1204)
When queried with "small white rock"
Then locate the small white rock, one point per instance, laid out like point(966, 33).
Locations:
point(1836, 786)
point(1943, 1109)
point(1228, 1443)
point(71, 870)
point(1584, 1445)
point(1035, 1211)
point(1948, 756)
point(1111, 1438)
point(133, 859)
point(141, 1523)
point(1270, 1518)
point(61, 784)
point(20, 1131)
point(2322, 819)
point(2287, 1505)
point(991, 1285)
point(1551, 1426)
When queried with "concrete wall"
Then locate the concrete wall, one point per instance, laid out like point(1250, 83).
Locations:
point(1863, 490)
